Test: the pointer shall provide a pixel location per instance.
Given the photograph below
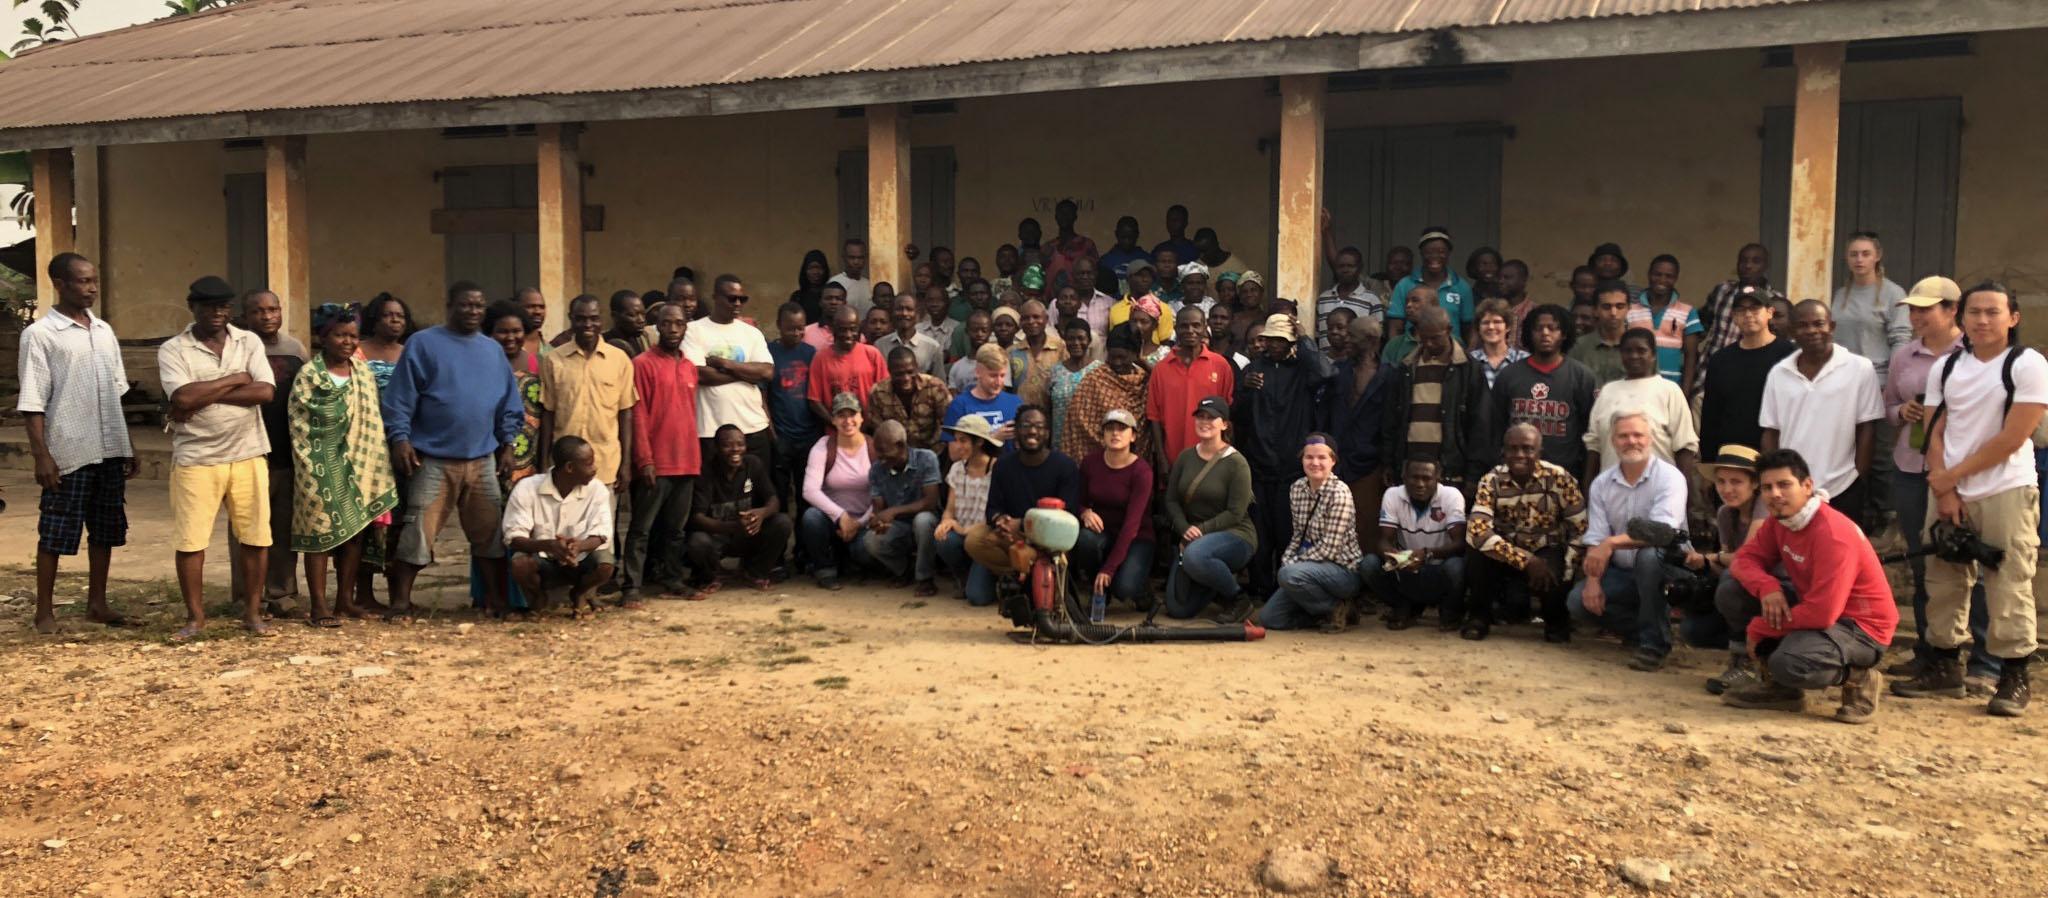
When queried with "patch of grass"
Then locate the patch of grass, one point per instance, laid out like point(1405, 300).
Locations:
point(831, 682)
point(452, 884)
point(914, 603)
point(677, 628)
point(379, 754)
point(469, 662)
point(785, 661)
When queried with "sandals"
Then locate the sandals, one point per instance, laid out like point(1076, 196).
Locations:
point(187, 633)
point(265, 631)
point(327, 622)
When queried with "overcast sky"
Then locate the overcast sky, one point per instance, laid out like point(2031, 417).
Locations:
point(93, 17)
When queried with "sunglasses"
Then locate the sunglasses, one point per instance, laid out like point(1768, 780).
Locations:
point(738, 299)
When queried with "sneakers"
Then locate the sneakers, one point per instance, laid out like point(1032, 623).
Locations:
point(1766, 695)
point(2013, 690)
point(1942, 678)
point(1646, 659)
point(1740, 674)
point(1859, 696)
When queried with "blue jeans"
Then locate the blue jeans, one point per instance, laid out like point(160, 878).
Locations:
point(978, 581)
point(1308, 592)
point(906, 544)
point(1128, 582)
point(819, 535)
point(1439, 584)
point(1206, 573)
point(1909, 497)
point(1635, 599)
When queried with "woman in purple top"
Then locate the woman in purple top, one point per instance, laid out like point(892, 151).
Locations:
point(1116, 514)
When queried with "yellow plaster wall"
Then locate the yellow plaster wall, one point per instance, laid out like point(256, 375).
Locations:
point(1659, 153)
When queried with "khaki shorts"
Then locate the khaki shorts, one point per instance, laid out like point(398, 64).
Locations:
point(197, 492)
point(467, 489)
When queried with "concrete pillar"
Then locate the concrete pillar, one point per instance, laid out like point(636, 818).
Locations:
point(561, 217)
point(284, 206)
point(1816, 130)
point(55, 234)
point(1301, 191)
point(889, 193)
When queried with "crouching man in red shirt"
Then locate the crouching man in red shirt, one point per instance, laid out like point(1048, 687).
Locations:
point(1829, 623)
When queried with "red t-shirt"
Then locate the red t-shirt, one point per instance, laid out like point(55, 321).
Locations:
point(1175, 389)
point(856, 372)
point(665, 420)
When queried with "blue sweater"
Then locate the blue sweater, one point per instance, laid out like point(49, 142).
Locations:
point(453, 397)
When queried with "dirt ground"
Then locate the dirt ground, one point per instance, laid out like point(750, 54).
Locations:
point(803, 743)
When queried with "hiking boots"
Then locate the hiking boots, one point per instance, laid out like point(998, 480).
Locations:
point(1859, 695)
point(1238, 611)
point(1908, 669)
point(2013, 690)
point(1766, 695)
point(1740, 674)
point(1942, 678)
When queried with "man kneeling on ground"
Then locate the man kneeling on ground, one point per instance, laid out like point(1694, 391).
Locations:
point(559, 528)
point(1830, 622)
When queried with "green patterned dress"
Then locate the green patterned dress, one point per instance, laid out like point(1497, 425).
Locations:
point(341, 476)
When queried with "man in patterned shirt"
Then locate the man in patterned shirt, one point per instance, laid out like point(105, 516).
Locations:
point(1525, 517)
point(916, 399)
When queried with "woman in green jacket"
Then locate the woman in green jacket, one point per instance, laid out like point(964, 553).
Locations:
point(1208, 500)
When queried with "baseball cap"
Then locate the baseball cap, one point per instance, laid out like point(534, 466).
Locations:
point(1119, 416)
point(1136, 265)
point(1749, 296)
point(845, 402)
point(1213, 405)
point(1933, 291)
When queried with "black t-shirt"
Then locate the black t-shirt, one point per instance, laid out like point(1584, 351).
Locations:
point(722, 499)
point(1734, 395)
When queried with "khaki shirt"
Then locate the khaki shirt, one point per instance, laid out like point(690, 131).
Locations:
point(220, 433)
point(586, 391)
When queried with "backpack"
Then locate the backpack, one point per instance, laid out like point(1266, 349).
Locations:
point(2012, 355)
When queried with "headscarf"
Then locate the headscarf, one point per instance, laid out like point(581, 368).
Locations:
point(1250, 277)
point(1230, 276)
point(1194, 268)
point(1033, 278)
point(330, 314)
point(1148, 304)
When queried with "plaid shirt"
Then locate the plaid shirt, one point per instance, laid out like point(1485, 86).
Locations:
point(1719, 316)
point(1511, 521)
point(1325, 524)
point(922, 417)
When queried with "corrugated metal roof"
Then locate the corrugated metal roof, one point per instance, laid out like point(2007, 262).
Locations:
point(312, 54)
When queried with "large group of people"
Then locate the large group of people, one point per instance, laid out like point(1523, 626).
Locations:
point(1424, 439)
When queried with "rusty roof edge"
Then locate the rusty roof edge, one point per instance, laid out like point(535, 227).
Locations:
point(1742, 28)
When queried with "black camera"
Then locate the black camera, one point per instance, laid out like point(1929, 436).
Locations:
point(1960, 545)
point(1684, 588)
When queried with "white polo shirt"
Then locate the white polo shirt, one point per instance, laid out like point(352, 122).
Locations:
point(1817, 418)
point(536, 509)
point(1976, 413)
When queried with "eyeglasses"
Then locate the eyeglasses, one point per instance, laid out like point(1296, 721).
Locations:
point(737, 299)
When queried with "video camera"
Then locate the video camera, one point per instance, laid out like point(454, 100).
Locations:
point(1956, 544)
point(1684, 588)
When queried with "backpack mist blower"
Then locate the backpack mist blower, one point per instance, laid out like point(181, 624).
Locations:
point(1054, 607)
